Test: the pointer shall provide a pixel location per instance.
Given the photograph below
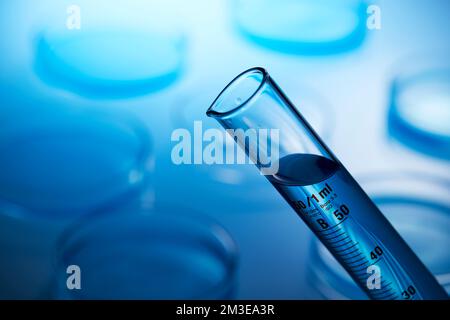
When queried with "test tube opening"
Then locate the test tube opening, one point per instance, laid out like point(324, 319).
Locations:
point(238, 93)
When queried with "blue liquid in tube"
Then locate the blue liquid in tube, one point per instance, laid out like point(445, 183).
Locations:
point(324, 194)
point(424, 227)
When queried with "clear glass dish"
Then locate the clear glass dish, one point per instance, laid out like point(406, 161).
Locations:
point(71, 162)
point(302, 27)
point(419, 110)
point(165, 253)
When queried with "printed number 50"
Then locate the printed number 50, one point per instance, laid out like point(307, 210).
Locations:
point(341, 212)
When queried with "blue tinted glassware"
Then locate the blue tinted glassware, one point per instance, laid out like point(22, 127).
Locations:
point(302, 27)
point(71, 162)
point(190, 108)
point(322, 192)
point(422, 217)
point(109, 63)
point(165, 253)
point(219, 180)
point(419, 110)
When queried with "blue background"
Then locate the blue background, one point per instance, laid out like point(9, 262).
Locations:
point(353, 87)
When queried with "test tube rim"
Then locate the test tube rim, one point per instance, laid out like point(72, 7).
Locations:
point(211, 112)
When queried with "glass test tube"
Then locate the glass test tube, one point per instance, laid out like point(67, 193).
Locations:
point(322, 192)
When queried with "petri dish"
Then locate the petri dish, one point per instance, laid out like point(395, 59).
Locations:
point(166, 253)
point(66, 163)
point(105, 62)
point(419, 208)
point(419, 111)
point(302, 27)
